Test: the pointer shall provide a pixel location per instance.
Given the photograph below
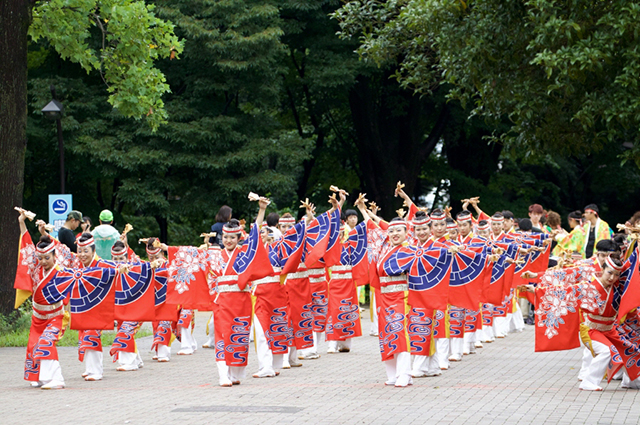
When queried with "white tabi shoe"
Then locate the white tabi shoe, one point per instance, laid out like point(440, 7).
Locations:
point(478, 344)
point(92, 378)
point(432, 374)
point(332, 350)
point(455, 358)
point(265, 373)
point(85, 374)
point(53, 385)
point(155, 357)
point(163, 359)
point(404, 381)
point(309, 356)
point(588, 386)
point(126, 368)
point(294, 364)
point(186, 352)
point(390, 383)
point(37, 384)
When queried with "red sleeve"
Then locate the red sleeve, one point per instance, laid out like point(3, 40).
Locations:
point(26, 262)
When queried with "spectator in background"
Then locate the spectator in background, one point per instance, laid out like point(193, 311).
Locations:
point(85, 225)
point(595, 229)
point(105, 235)
point(351, 219)
point(65, 233)
point(553, 221)
point(509, 222)
point(272, 221)
point(222, 218)
point(535, 214)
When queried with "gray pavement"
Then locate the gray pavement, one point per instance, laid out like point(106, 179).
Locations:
point(505, 383)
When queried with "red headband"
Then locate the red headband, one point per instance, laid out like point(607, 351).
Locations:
point(438, 217)
point(613, 265)
point(88, 242)
point(287, 220)
point(421, 221)
point(452, 225)
point(47, 249)
point(155, 251)
point(121, 251)
point(497, 219)
point(483, 226)
point(231, 230)
point(464, 218)
point(593, 211)
point(398, 223)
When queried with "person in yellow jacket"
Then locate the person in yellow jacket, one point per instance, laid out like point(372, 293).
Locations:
point(595, 230)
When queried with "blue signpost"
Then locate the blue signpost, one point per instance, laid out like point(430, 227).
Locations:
point(59, 207)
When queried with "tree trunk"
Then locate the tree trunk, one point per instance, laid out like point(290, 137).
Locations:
point(164, 229)
point(395, 132)
point(15, 17)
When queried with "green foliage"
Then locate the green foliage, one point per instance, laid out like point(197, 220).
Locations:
point(121, 39)
point(563, 72)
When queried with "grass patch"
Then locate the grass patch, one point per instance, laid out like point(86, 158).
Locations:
point(14, 330)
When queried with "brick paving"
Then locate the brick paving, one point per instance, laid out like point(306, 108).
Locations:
point(505, 383)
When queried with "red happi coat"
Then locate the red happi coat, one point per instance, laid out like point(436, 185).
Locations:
point(46, 321)
point(343, 320)
point(188, 270)
point(392, 311)
point(232, 315)
point(90, 339)
point(322, 249)
point(271, 307)
point(601, 315)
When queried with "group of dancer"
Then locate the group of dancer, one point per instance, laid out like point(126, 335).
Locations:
point(441, 286)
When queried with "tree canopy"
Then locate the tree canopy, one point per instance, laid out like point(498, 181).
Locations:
point(563, 73)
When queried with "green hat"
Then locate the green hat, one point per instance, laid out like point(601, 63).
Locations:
point(74, 215)
point(106, 215)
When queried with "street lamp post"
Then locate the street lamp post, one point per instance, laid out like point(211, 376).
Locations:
point(54, 111)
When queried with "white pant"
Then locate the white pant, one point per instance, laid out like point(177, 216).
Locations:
point(229, 374)
point(517, 321)
point(498, 326)
point(488, 333)
point(188, 343)
point(291, 358)
point(469, 342)
point(597, 367)
point(442, 352)
point(50, 371)
point(628, 383)
point(338, 345)
point(93, 364)
point(586, 361)
point(398, 368)
point(163, 351)
point(129, 360)
point(317, 336)
point(425, 364)
point(267, 361)
point(455, 348)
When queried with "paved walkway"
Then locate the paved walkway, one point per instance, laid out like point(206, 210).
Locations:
point(505, 383)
